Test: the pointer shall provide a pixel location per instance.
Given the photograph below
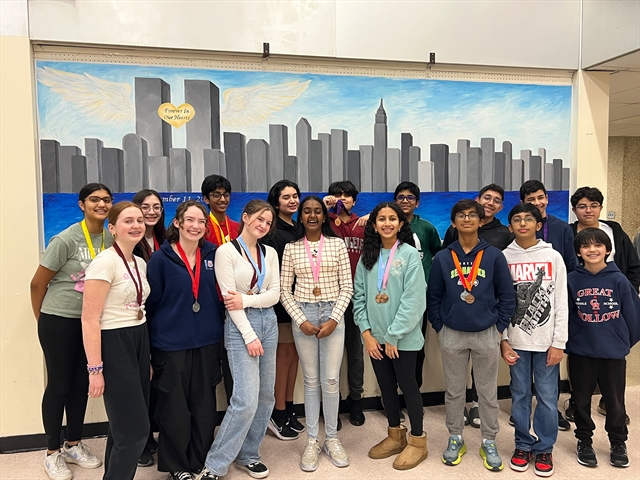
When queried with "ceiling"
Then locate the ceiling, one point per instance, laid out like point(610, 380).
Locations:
point(624, 94)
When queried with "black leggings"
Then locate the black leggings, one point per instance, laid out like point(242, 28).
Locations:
point(400, 372)
point(67, 377)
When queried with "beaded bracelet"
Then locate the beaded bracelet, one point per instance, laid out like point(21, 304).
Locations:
point(95, 369)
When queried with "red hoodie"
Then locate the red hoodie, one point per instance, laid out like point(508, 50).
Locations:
point(352, 235)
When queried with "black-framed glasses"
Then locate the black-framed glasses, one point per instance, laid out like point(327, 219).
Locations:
point(462, 216)
point(489, 198)
point(218, 195)
point(96, 199)
point(408, 198)
point(146, 208)
point(516, 220)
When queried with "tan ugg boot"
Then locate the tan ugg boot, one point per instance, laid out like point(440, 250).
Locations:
point(395, 443)
point(414, 453)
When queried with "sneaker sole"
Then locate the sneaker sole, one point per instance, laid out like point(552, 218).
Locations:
point(489, 467)
point(517, 468)
point(585, 463)
point(298, 430)
point(339, 465)
point(618, 465)
point(58, 478)
point(308, 469)
point(452, 463)
point(540, 473)
point(277, 433)
point(253, 474)
point(82, 465)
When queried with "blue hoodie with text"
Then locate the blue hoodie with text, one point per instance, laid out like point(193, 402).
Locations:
point(604, 313)
point(495, 299)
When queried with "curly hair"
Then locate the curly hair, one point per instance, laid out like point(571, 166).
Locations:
point(373, 242)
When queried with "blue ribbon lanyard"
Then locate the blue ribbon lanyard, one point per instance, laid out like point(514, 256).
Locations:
point(259, 273)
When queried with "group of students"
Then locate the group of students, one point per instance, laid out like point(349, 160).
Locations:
point(136, 306)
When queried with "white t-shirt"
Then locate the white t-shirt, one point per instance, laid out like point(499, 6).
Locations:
point(121, 306)
point(609, 231)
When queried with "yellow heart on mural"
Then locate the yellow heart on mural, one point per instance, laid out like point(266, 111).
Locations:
point(176, 116)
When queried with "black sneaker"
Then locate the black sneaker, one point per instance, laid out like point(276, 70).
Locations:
point(146, 459)
point(569, 410)
point(466, 416)
point(339, 427)
point(205, 474)
point(282, 430)
point(619, 456)
point(356, 417)
point(563, 425)
point(294, 423)
point(543, 465)
point(255, 470)
point(511, 422)
point(178, 475)
point(585, 454)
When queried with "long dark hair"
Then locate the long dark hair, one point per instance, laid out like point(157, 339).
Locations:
point(276, 189)
point(173, 234)
point(373, 242)
point(326, 224)
point(159, 229)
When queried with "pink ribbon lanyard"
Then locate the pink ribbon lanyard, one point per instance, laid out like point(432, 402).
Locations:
point(315, 266)
point(382, 283)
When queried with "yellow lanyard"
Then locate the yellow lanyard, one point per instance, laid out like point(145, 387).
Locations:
point(223, 239)
point(87, 237)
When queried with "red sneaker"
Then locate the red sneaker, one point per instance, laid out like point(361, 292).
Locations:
point(520, 460)
point(543, 465)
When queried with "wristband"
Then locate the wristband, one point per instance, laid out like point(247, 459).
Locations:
point(95, 369)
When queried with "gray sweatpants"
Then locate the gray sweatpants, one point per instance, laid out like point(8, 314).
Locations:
point(484, 350)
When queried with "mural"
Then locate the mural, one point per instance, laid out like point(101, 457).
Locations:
point(134, 127)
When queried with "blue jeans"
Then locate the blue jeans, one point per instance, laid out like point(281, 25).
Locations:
point(545, 418)
point(245, 422)
point(320, 359)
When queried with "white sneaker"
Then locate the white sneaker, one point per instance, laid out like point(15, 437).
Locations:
point(338, 456)
point(309, 460)
point(56, 468)
point(80, 455)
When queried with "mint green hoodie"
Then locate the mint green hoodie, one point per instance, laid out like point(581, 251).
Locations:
point(398, 321)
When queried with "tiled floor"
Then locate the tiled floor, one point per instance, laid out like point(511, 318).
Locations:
point(282, 457)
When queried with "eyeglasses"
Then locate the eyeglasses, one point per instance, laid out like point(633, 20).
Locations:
point(593, 206)
point(489, 198)
point(408, 198)
point(146, 208)
point(218, 195)
point(106, 200)
point(462, 216)
point(516, 220)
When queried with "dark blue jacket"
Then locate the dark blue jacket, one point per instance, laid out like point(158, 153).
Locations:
point(604, 313)
point(173, 325)
point(495, 299)
point(560, 236)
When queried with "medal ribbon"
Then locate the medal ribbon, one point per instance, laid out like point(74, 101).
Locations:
point(156, 245)
point(126, 264)
point(315, 267)
point(260, 269)
point(222, 238)
point(385, 267)
point(87, 237)
point(467, 282)
point(195, 279)
point(545, 230)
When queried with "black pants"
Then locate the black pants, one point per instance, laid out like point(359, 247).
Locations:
point(67, 377)
point(610, 375)
point(186, 410)
point(226, 374)
point(421, 355)
point(399, 372)
point(355, 355)
point(125, 353)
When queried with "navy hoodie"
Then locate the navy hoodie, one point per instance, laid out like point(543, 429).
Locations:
point(604, 313)
point(173, 325)
point(560, 236)
point(495, 299)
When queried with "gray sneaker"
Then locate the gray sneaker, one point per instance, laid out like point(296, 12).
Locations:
point(338, 456)
point(489, 453)
point(455, 449)
point(309, 460)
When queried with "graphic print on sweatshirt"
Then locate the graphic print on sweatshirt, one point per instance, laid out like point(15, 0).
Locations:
point(533, 308)
point(596, 305)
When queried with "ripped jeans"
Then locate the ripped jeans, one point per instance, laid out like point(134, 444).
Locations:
point(320, 359)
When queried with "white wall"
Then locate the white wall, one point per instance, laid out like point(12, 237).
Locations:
point(610, 28)
point(518, 33)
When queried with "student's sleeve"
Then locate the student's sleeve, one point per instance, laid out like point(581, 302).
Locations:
point(344, 281)
point(449, 238)
point(571, 260)
point(286, 285)
point(561, 306)
point(270, 293)
point(56, 254)
point(156, 279)
point(412, 301)
point(435, 294)
point(503, 287)
point(434, 241)
point(630, 309)
point(360, 316)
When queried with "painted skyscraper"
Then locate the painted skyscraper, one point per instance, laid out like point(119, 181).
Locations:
point(380, 150)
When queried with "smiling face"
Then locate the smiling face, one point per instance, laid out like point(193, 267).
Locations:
point(594, 255)
point(152, 210)
point(96, 206)
point(524, 226)
point(218, 201)
point(258, 224)
point(540, 200)
point(587, 212)
point(312, 217)
point(387, 224)
point(288, 201)
point(491, 202)
point(467, 221)
point(407, 201)
point(193, 225)
point(129, 227)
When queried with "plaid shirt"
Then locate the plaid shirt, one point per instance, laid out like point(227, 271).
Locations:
point(335, 278)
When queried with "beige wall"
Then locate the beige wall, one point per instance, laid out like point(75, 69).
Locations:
point(623, 179)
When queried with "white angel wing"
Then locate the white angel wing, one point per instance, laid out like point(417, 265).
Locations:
point(98, 98)
point(246, 106)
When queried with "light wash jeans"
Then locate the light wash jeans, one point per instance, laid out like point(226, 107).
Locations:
point(321, 359)
point(245, 422)
point(545, 417)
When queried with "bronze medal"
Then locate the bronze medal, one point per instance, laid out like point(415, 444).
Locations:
point(317, 291)
point(470, 299)
point(250, 292)
point(337, 222)
point(140, 314)
point(378, 299)
point(384, 298)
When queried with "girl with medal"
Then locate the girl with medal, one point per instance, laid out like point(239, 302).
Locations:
point(388, 305)
point(152, 208)
point(185, 330)
point(56, 297)
point(248, 275)
point(318, 262)
point(116, 340)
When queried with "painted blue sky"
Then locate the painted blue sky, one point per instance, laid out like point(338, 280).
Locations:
point(433, 111)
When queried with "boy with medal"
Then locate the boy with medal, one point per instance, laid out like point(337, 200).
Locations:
point(470, 301)
point(216, 193)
